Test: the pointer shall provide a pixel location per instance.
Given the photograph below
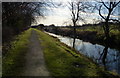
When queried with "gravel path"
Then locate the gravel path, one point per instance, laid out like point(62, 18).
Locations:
point(35, 63)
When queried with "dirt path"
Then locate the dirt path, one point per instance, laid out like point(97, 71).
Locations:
point(35, 63)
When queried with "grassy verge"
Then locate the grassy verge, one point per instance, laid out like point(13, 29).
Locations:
point(13, 61)
point(63, 61)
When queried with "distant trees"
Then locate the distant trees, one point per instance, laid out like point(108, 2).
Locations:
point(17, 16)
point(41, 26)
point(52, 25)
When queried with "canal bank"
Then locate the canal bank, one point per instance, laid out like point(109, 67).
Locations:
point(64, 61)
point(94, 52)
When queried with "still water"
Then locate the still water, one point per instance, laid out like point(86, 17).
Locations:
point(94, 51)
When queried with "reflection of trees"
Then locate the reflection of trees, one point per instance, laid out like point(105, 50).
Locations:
point(112, 59)
point(105, 51)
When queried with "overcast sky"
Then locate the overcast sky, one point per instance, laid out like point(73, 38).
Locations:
point(61, 15)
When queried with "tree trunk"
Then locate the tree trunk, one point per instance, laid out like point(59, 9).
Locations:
point(107, 43)
point(105, 51)
point(107, 34)
point(74, 31)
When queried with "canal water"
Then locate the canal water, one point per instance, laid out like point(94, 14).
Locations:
point(94, 51)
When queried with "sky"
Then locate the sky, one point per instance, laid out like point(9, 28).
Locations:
point(61, 16)
point(56, 16)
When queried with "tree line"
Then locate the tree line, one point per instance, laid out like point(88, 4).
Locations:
point(18, 16)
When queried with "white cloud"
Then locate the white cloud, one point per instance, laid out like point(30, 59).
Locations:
point(62, 14)
point(53, 20)
point(57, 17)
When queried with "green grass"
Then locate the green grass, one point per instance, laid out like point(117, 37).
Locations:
point(100, 30)
point(63, 61)
point(13, 61)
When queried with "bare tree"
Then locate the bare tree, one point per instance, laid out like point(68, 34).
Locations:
point(109, 6)
point(76, 7)
point(75, 15)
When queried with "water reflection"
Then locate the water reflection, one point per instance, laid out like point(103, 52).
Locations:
point(95, 51)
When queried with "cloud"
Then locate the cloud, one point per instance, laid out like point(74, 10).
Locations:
point(62, 14)
point(57, 16)
point(57, 20)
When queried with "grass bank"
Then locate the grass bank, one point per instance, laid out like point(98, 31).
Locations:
point(63, 61)
point(13, 61)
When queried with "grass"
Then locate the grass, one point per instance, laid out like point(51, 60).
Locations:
point(63, 61)
point(100, 30)
point(13, 61)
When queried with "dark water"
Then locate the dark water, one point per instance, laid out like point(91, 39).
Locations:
point(94, 51)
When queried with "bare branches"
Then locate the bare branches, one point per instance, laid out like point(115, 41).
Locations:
point(75, 8)
point(116, 4)
point(73, 13)
point(78, 11)
point(32, 8)
point(110, 8)
point(104, 4)
point(100, 12)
